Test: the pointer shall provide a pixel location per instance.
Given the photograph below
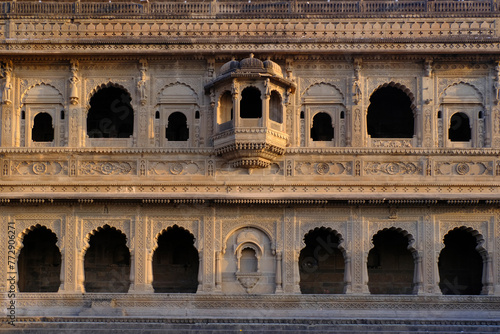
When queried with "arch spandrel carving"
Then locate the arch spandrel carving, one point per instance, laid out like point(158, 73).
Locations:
point(408, 228)
point(316, 89)
point(478, 84)
point(91, 226)
point(93, 85)
point(177, 92)
point(26, 85)
point(42, 92)
point(479, 229)
point(228, 230)
point(159, 225)
point(408, 85)
point(24, 225)
point(461, 92)
point(306, 227)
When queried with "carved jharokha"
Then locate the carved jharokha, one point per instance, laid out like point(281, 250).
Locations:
point(284, 159)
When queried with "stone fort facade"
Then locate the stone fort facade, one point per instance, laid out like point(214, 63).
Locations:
point(307, 160)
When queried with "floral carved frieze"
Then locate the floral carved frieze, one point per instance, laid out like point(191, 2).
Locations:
point(40, 168)
point(464, 168)
point(324, 168)
point(111, 168)
point(176, 168)
point(393, 168)
point(389, 143)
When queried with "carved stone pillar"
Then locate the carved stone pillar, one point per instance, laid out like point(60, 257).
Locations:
point(279, 286)
point(75, 127)
point(80, 272)
point(236, 103)
point(417, 274)
point(8, 118)
point(132, 287)
point(148, 278)
point(487, 278)
point(359, 253)
point(200, 272)
point(347, 274)
point(426, 121)
point(265, 103)
point(218, 274)
point(145, 120)
point(355, 133)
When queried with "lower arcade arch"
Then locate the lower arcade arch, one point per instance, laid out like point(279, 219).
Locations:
point(390, 263)
point(107, 262)
point(321, 263)
point(175, 262)
point(39, 262)
point(460, 264)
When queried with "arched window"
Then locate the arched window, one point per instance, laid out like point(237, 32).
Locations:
point(110, 114)
point(39, 262)
point(177, 129)
point(225, 108)
point(390, 264)
point(175, 262)
point(460, 129)
point(321, 263)
point(460, 265)
point(248, 261)
point(390, 114)
point(107, 262)
point(43, 129)
point(275, 107)
point(251, 103)
point(322, 129)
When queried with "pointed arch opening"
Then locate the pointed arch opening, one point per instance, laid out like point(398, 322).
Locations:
point(225, 108)
point(390, 264)
point(107, 262)
point(390, 114)
point(175, 262)
point(460, 264)
point(43, 128)
point(110, 114)
point(39, 262)
point(321, 263)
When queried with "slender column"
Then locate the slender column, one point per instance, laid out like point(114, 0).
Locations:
point(417, 275)
point(236, 103)
point(80, 272)
point(279, 286)
point(200, 272)
point(487, 278)
point(347, 274)
point(132, 271)
point(265, 103)
point(218, 274)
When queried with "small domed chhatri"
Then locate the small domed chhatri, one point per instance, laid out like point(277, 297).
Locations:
point(230, 66)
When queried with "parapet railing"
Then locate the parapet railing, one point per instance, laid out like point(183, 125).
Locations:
point(233, 8)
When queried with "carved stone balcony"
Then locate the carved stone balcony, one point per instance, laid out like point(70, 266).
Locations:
point(250, 147)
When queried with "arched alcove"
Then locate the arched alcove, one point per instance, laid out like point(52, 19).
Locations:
point(175, 262)
point(225, 108)
point(39, 262)
point(460, 129)
point(110, 114)
point(390, 264)
point(43, 128)
point(322, 129)
point(177, 128)
point(107, 262)
point(321, 263)
point(460, 264)
point(275, 107)
point(390, 114)
point(251, 103)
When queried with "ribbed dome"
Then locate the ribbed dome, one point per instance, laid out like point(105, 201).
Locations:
point(230, 66)
point(273, 68)
point(251, 62)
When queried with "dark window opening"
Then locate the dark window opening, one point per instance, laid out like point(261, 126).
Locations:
point(62, 115)
point(197, 114)
point(177, 129)
point(480, 114)
point(390, 114)
point(460, 265)
point(321, 263)
point(43, 130)
point(23, 114)
point(390, 264)
point(342, 115)
point(322, 129)
point(107, 262)
point(251, 104)
point(248, 261)
point(110, 114)
point(157, 115)
point(439, 114)
point(301, 115)
point(460, 130)
point(175, 262)
point(275, 108)
point(39, 262)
